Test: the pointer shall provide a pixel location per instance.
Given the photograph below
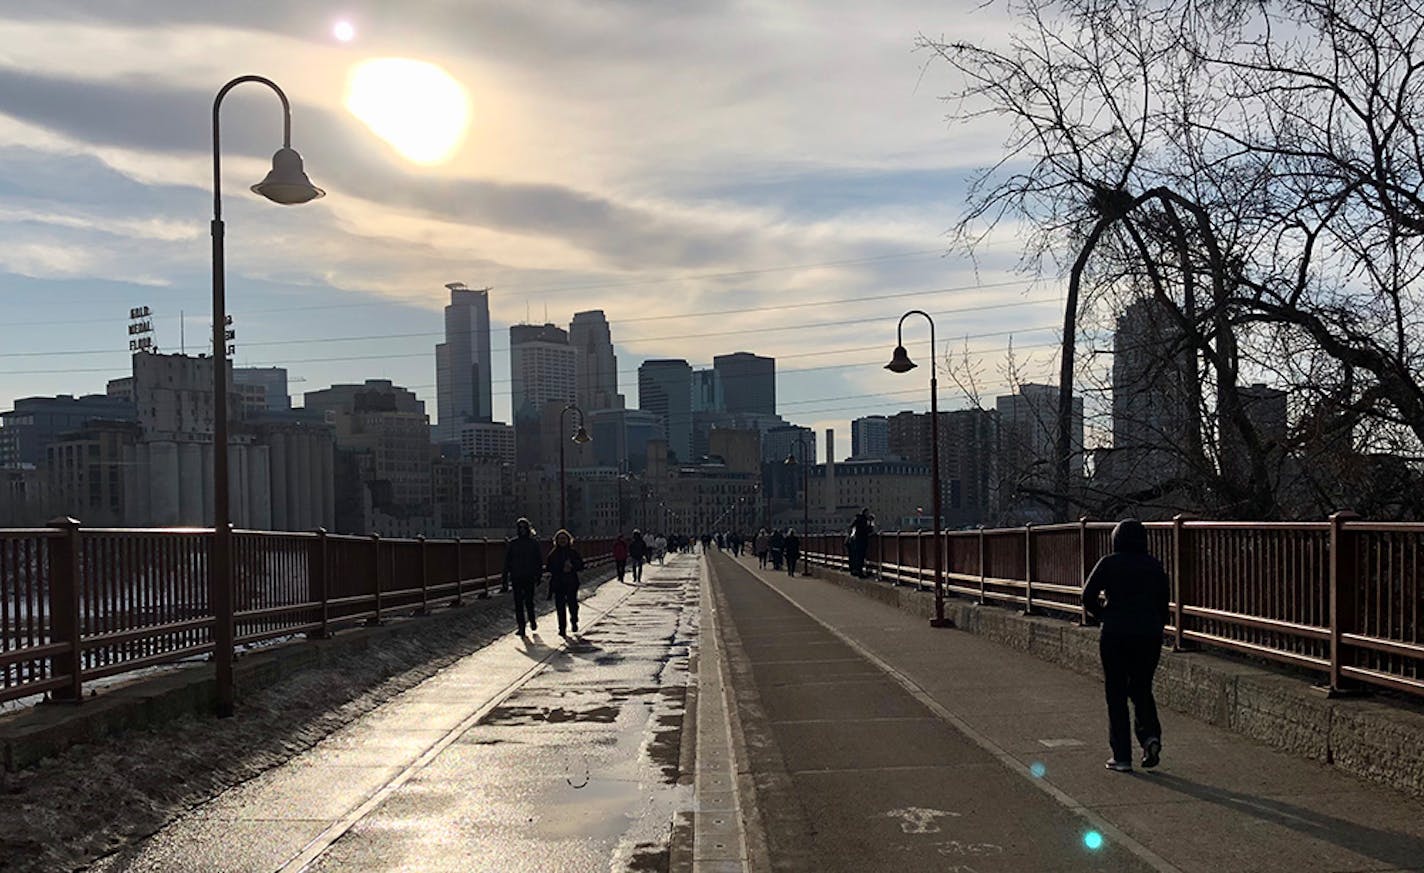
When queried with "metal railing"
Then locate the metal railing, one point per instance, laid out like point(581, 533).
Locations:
point(79, 604)
point(1342, 598)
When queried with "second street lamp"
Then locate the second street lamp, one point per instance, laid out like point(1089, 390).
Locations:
point(805, 481)
point(580, 436)
point(287, 184)
point(900, 363)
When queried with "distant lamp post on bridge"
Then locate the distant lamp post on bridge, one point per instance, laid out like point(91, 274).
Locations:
point(287, 184)
point(791, 461)
point(581, 437)
point(900, 363)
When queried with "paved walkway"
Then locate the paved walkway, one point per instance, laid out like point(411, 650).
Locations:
point(537, 755)
point(879, 743)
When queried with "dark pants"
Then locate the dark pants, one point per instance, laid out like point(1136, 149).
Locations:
point(524, 600)
point(1129, 662)
point(622, 568)
point(856, 548)
point(566, 604)
point(791, 558)
point(637, 569)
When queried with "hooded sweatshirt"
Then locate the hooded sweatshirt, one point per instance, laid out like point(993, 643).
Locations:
point(1136, 587)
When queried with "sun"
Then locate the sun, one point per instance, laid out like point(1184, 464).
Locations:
point(417, 107)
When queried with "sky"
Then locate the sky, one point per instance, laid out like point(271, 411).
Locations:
point(772, 177)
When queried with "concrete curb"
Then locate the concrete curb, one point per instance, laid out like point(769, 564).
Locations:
point(1373, 740)
point(47, 730)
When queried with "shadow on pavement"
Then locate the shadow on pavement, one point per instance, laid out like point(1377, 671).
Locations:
point(1389, 847)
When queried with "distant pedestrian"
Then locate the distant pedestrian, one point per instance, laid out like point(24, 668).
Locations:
point(523, 566)
point(1128, 592)
point(792, 547)
point(858, 540)
point(660, 547)
point(637, 553)
point(762, 546)
point(564, 565)
point(775, 546)
point(620, 556)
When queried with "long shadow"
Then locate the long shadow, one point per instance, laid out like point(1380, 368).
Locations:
point(1389, 847)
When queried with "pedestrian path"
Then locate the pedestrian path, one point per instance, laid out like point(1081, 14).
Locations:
point(528, 755)
point(996, 759)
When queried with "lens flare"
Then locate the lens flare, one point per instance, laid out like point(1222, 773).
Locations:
point(344, 31)
point(1093, 840)
point(417, 107)
point(1037, 769)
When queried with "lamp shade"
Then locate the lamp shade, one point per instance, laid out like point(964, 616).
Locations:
point(581, 436)
point(287, 184)
point(790, 458)
point(900, 361)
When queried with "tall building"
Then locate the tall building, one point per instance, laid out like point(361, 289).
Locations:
point(462, 363)
point(1151, 399)
point(968, 453)
point(487, 441)
point(543, 371)
point(597, 365)
point(86, 472)
point(36, 422)
point(748, 382)
point(273, 384)
point(621, 436)
point(665, 389)
point(707, 391)
point(870, 438)
point(1027, 455)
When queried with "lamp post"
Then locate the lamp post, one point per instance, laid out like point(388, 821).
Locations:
point(900, 363)
point(805, 480)
point(286, 184)
point(580, 436)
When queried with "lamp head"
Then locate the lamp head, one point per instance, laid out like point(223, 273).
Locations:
point(581, 436)
point(900, 361)
point(287, 184)
point(790, 459)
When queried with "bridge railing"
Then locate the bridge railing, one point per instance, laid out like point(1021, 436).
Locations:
point(79, 604)
point(1343, 598)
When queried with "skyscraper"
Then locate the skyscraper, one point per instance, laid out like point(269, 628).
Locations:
point(542, 368)
point(748, 382)
point(462, 363)
point(1028, 442)
point(1151, 401)
point(870, 438)
point(665, 389)
point(597, 365)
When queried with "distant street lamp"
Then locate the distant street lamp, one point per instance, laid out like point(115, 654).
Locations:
point(286, 184)
point(900, 363)
point(805, 480)
point(580, 436)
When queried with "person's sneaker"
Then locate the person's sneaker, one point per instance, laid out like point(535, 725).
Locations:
point(1119, 766)
point(533, 625)
point(574, 626)
point(521, 632)
point(1151, 753)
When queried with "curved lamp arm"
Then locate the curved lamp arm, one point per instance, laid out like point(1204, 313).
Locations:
point(217, 104)
point(900, 333)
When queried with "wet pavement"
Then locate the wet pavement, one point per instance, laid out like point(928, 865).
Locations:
point(529, 755)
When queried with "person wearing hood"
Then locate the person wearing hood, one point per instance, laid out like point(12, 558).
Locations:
point(792, 545)
point(564, 565)
point(1128, 593)
point(523, 565)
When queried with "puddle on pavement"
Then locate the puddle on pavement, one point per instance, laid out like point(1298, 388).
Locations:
point(551, 715)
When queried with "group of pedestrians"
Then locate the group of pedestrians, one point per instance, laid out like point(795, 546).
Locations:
point(776, 548)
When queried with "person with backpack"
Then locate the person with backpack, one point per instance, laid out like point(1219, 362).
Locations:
point(1128, 593)
point(637, 553)
point(564, 565)
point(523, 567)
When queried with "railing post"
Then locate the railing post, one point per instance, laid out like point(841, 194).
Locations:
point(1083, 619)
point(318, 589)
point(1343, 586)
point(66, 626)
point(983, 576)
point(459, 573)
point(376, 576)
point(1028, 569)
point(1184, 579)
point(484, 568)
point(919, 559)
point(424, 575)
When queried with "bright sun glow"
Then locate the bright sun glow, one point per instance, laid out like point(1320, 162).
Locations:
point(344, 31)
point(416, 107)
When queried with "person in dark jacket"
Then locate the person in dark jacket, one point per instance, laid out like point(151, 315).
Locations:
point(564, 565)
point(523, 565)
point(620, 556)
point(1128, 593)
point(792, 546)
point(777, 544)
point(858, 541)
point(637, 553)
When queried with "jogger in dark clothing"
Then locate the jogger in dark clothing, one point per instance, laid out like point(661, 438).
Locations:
point(564, 565)
point(523, 565)
point(1129, 593)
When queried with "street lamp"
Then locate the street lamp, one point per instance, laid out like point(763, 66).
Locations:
point(580, 436)
point(286, 184)
point(900, 363)
point(805, 480)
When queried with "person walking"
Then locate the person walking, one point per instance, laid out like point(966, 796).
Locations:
point(620, 556)
point(858, 543)
point(637, 553)
point(762, 546)
point(564, 565)
point(775, 545)
point(523, 566)
point(1128, 593)
point(660, 547)
point(792, 547)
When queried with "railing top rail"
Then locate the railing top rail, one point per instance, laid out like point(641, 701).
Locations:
point(146, 531)
point(19, 533)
